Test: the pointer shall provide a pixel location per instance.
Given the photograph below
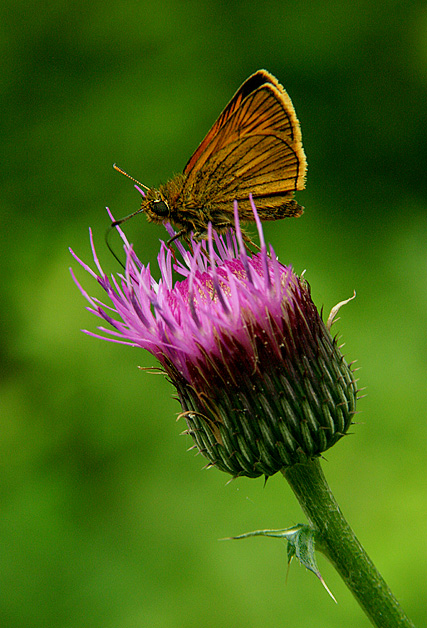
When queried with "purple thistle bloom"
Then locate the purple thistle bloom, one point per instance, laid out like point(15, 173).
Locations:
point(260, 379)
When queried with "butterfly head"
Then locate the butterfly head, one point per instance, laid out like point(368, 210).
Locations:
point(155, 206)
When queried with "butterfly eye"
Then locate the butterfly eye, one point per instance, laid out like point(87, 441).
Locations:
point(160, 208)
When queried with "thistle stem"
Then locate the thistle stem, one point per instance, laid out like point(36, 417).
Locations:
point(337, 541)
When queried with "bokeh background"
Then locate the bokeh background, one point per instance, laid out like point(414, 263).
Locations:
point(105, 519)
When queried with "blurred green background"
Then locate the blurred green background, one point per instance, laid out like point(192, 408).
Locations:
point(105, 519)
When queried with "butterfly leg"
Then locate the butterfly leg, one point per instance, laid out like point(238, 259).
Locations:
point(175, 237)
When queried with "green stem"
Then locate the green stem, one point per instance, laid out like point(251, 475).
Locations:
point(337, 541)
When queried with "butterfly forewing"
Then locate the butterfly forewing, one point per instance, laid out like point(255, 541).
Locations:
point(260, 164)
point(251, 84)
point(254, 147)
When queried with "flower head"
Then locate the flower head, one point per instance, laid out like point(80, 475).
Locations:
point(261, 381)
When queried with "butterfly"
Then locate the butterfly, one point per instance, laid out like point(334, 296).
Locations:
point(254, 147)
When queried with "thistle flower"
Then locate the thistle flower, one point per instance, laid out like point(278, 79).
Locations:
point(262, 383)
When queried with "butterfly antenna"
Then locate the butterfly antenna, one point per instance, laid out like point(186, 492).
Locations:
point(116, 167)
point(138, 211)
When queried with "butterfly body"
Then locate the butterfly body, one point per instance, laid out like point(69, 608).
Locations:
point(190, 210)
point(253, 148)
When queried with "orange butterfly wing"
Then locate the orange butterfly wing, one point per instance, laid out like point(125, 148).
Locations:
point(254, 147)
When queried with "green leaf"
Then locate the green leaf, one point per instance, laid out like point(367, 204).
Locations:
point(301, 545)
